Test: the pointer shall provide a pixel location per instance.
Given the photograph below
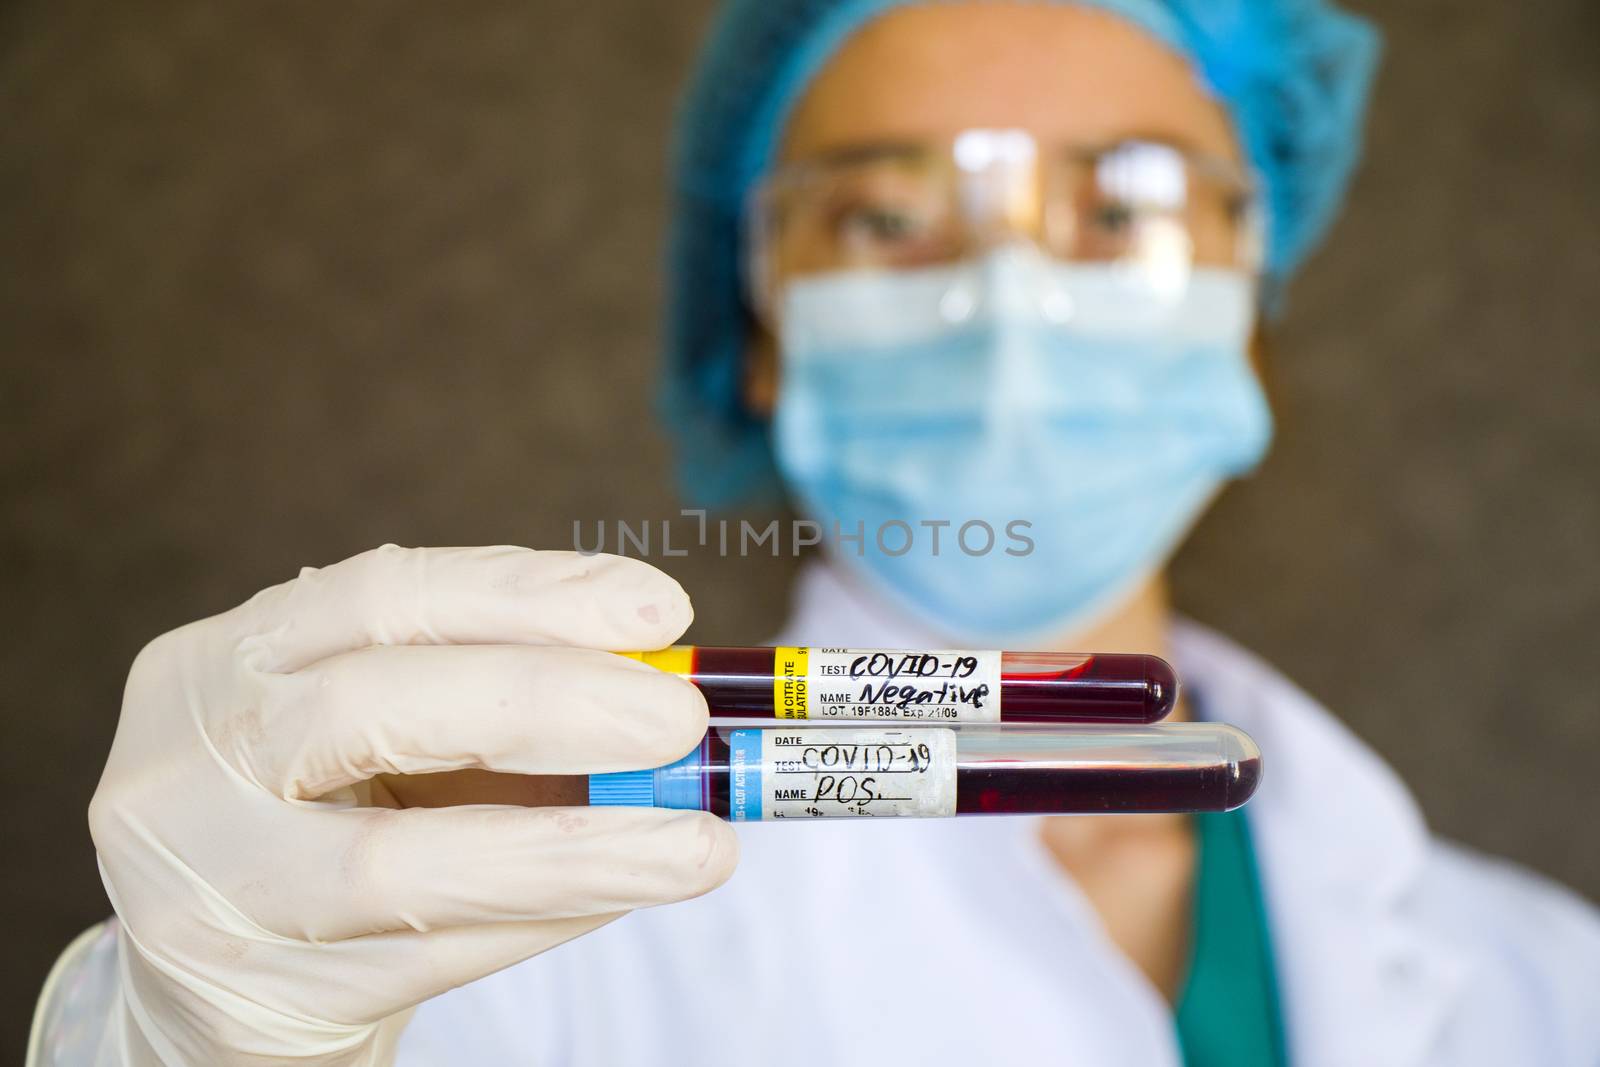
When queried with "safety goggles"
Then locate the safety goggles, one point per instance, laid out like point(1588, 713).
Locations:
point(1153, 211)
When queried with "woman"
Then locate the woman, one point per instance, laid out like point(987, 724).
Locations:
point(1003, 264)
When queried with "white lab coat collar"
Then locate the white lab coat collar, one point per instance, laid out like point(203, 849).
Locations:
point(1341, 843)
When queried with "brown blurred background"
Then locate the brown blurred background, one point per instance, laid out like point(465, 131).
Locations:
point(283, 282)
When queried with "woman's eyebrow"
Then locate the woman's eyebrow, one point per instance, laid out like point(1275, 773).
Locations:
point(864, 152)
point(1142, 135)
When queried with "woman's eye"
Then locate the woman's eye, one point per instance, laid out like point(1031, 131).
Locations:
point(1112, 217)
point(879, 225)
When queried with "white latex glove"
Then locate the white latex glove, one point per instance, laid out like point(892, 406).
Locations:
point(267, 916)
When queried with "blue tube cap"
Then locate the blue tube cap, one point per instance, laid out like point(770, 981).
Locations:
point(632, 789)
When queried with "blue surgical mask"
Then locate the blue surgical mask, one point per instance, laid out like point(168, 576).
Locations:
point(1083, 415)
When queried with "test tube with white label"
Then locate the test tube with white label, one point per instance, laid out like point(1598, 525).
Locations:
point(823, 772)
point(921, 685)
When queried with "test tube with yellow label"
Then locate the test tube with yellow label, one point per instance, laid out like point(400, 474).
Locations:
point(923, 686)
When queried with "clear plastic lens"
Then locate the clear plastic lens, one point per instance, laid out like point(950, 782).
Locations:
point(1150, 208)
point(891, 209)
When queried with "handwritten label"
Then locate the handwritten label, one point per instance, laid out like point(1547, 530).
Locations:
point(830, 773)
point(950, 685)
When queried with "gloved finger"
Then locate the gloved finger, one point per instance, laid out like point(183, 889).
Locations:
point(381, 974)
point(367, 871)
point(450, 957)
point(511, 708)
point(438, 596)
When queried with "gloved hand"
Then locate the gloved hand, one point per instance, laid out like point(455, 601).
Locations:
point(269, 914)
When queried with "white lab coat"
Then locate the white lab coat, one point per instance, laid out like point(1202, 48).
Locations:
point(958, 942)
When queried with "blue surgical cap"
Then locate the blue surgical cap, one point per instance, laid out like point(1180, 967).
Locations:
point(1294, 75)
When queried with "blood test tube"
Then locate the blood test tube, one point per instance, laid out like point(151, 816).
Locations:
point(768, 773)
point(923, 686)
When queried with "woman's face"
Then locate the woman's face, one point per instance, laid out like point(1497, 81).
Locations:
point(1066, 74)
